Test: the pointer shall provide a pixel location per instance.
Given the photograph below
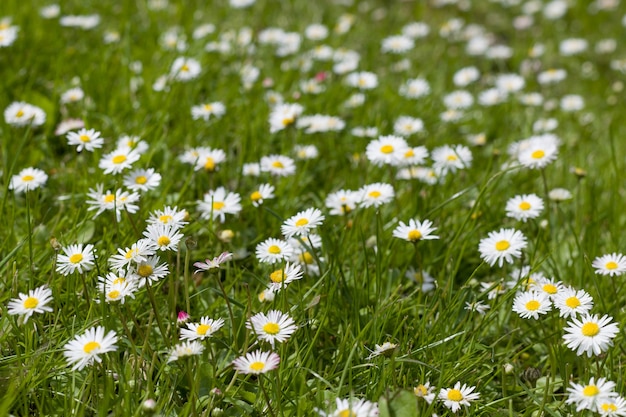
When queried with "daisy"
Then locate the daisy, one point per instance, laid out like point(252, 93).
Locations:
point(76, 258)
point(278, 165)
point(415, 231)
point(388, 150)
point(503, 245)
point(148, 270)
point(422, 278)
point(524, 207)
point(263, 192)
point(218, 203)
point(616, 406)
point(23, 114)
point(572, 302)
point(548, 286)
point(406, 126)
point(590, 334)
point(251, 169)
point(142, 179)
point(118, 160)
point(209, 264)
point(28, 179)
point(281, 277)
point(425, 391)
point(85, 139)
point(206, 328)
point(67, 125)
point(185, 69)
point(283, 115)
point(397, 44)
point(206, 110)
point(72, 95)
point(458, 100)
point(352, 407)
point(185, 349)
point(306, 152)
point(87, 348)
point(256, 362)
point(209, 159)
point(591, 395)
point(164, 237)
point(450, 158)
point(465, 76)
point(273, 250)
point(415, 88)
point(169, 216)
point(302, 223)
point(386, 349)
point(375, 194)
point(613, 264)
point(477, 306)
point(363, 80)
point(34, 302)
point(530, 304)
point(341, 202)
point(538, 153)
point(455, 397)
point(116, 288)
point(137, 253)
point(272, 327)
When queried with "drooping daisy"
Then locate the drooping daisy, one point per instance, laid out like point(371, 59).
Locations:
point(388, 150)
point(34, 302)
point(164, 237)
point(218, 203)
point(302, 223)
point(425, 391)
point(502, 245)
point(415, 231)
point(118, 160)
point(281, 277)
point(87, 347)
point(375, 194)
point(590, 334)
point(85, 139)
point(205, 328)
point(352, 407)
point(206, 110)
point(142, 179)
point(273, 250)
point(272, 327)
point(28, 179)
point(386, 349)
point(148, 270)
point(455, 397)
point(262, 193)
point(530, 304)
point(209, 264)
point(612, 264)
point(572, 302)
point(590, 396)
point(257, 362)
point(185, 349)
point(524, 207)
point(75, 258)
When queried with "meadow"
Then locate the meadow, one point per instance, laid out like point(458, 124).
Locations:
point(339, 208)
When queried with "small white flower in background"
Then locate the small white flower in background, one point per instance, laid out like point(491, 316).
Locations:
point(28, 179)
point(185, 69)
point(386, 349)
point(185, 349)
point(425, 391)
point(23, 114)
point(206, 110)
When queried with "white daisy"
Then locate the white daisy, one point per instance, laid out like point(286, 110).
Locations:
point(425, 391)
point(530, 304)
point(273, 250)
point(87, 348)
point(206, 110)
point(375, 194)
point(272, 327)
point(572, 302)
point(218, 203)
point(142, 179)
point(185, 349)
point(612, 264)
point(281, 277)
point(590, 334)
point(262, 193)
point(256, 362)
point(75, 258)
point(590, 396)
point(118, 160)
point(205, 328)
point(524, 207)
point(278, 165)
point(455, 397)
point(28, 179)
point(502, 245)
point(302, 223)
point(386, 150)
point(34, 302)
point(85, 139)
point(164, 237)
point(415, 231)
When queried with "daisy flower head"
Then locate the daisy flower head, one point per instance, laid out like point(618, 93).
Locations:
point(72, 95)
point(352, 407)
point(209, 159)
point(386, 150)
point(25, 305)
point(262, 193)
point(86, 348)
point(375, 194)
point(615, 406)
point(612, 264)
point(273, 250)
point(450, 158)
point(278, 165)
point(185, 349)
point(530, 304)
point(590, 396)
point(363, 80)
point(502, 245)
point(148, 270)
point(106, 200)
point(539, 152)
point(272, 327)
point(283, 115)
point(202, 330)
point(142, 179)
point(415, 231)
point(455, 397)
point(169, 216)
point(163, 237)
point(281, 277)
point(465, 76)
point(386, 349)
point(133, 142)
point(116, 288)
point(425, 391)
point(137, 253)
point(397, 44)
point(524, 207)
point(415, 88)
point(302, 223)
point(421, 278)
point(216, 262)
point(257, 362)
point(572, 302)
point(590, 334)
point(458, 100)
point(206, 110)
point(28, 179)
point(89, 140)
point(118, 160)
point(406, 126)
point(23, 114)
point(185, 69)
point(546, 285)
point(218, 203)
point(75, 258)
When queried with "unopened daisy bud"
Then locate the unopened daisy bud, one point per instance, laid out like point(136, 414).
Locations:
point(55, 244)
point(149, 404)
point(226, 236)
point(508, 368)
point(217, 392)
point(183, 316)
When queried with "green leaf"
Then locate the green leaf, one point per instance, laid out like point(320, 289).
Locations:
point(402, 404)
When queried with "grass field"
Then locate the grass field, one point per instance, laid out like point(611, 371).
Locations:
point(299, 208)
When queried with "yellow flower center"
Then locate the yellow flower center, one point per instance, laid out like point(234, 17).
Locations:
point(209, 165)
point(208, 107)
point(274, 250)
point(524, 205)
point(409, 153)
point(31, 302)
point(257, 366)
point(533, 305)
point(502, 245)
point(538, 154)
point(84, 138)
point(202, 329)
point(114, 294)
point(165, 218)
point(277, 164)
point(287, 121)
point(347, 413)
point(130, 253)
point(590, 391)
point(119, 280)
point(455, 395)
point(608, 407)
point(184, 68)
point(76, 258)
point(590, 329)
point(118, 159)
point(550, 289)
point(374, 194)
point(306, 257)
point(420, 390)
point(302, 222)
point(256, 196)
point(218, 205)
point(145, 270)
point(91, 346)
point(452, 158)
point(271, 328)
point(163, 241)
point(109, 198)
point(141, 180)
point(277, 276)
point(415, 235)
point(572, 302)
point(611, 265)
point(386, 149)
point(28, 178)
point(19, 113)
